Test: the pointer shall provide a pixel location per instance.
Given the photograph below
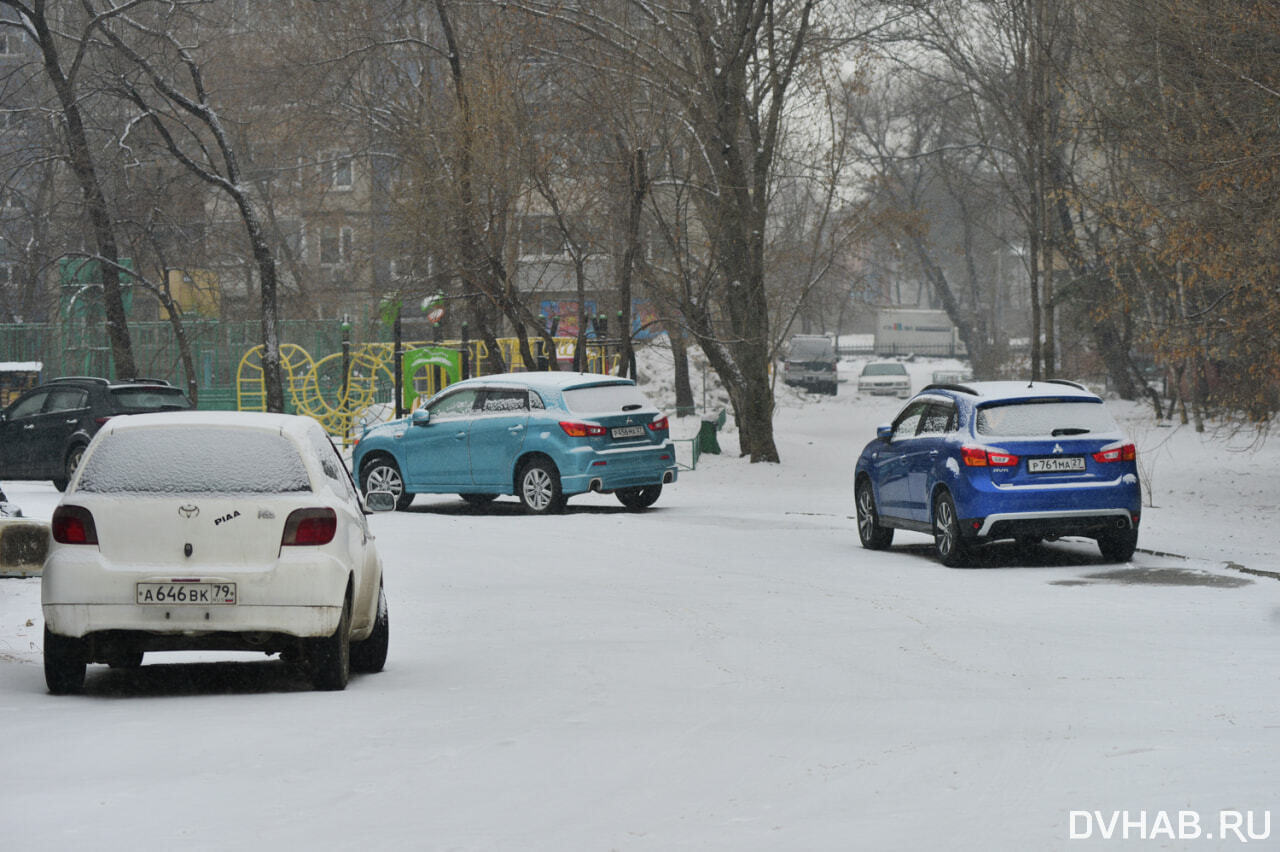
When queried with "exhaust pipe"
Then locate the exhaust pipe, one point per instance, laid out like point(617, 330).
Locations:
point(668, 478)
point(595, 485)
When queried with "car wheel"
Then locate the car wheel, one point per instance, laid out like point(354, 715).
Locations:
point(478, 499)
point(539, 487)
point(639, 498)
point(64, 663)
point(330, 657)
point(370, 655)
point(1118, 546)
point(69, 467)
point(382, 474)
point(870, 533)
point(952, 550)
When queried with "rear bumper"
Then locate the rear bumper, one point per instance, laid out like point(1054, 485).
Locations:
point(609, 470)
point(211, 628)
point(1087, 522)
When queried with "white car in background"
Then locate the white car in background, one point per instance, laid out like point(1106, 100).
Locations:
point(888, 378)
point(213, 531)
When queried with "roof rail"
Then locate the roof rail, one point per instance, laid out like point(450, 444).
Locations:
point(1075, 385)
point(145, 380)
point(952, 387)
point(98, 379)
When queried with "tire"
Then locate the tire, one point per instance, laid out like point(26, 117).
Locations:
point(383, 474)
point(330, 657)
point(952, 550)
point(370, 655)
point(636, 499)
point(1118, 546)
point(870, 533)
point(74, 456)
point(538, 487)
point(478, 500)
point(64, 663)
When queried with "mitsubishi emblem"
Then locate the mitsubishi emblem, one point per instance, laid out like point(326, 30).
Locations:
point(1057, 448)
point(188, 511)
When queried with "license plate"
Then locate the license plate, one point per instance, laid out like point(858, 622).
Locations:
point(197, 594)
point(1056, 464)
point(628, 432)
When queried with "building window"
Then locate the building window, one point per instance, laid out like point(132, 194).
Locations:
point(335, 246)
point(540, 236)
point(337, 170)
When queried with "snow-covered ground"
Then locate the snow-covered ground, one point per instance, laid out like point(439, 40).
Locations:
point(727, 671)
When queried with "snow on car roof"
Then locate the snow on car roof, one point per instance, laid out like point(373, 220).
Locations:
point(546, 380)
point(290, 423)
point(1028, 390)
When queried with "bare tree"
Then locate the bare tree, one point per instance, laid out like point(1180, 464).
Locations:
point(65, 77)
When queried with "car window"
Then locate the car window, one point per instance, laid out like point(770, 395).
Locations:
point(193, 459)
point(456, 404)
point(149, 398)
point(939, 418)
point(535, 401)
point(505, 400)
point(67, 399)
point(909, 421)
point(606, 399)
point(884, 370)
point(1047, 417)
point(331, 464)
point(28, 406)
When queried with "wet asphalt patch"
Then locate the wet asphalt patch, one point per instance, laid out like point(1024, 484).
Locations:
point(1158, 577)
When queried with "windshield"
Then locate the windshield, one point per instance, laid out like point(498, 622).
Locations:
point(884, 370)
point(1052, 417)
point(606, 399)
point(810, 350)
point(149, 398)
point(195, 460)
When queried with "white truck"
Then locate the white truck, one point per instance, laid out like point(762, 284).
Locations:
point(916, 331)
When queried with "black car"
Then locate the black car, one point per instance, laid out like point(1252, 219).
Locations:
point(44, 432)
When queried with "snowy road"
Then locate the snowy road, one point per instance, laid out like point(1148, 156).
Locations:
point(727, 671)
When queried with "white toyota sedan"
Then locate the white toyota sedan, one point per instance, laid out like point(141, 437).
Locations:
point(213, 531)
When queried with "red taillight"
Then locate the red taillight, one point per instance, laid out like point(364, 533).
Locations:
point(310, 527)
point(101, 420)
point(73, 525)
point(1120, 452)
point(659, 424)
point(582, 430)
point(984, 457)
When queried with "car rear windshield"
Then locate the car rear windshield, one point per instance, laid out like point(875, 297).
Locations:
point(149, 399)
point(195, 460)
point(811, 350)
point(884, 370)
point(1050, 417)
point(606, 399)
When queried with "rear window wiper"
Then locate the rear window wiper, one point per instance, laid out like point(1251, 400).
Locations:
point(632, 407)
point(1070, 430)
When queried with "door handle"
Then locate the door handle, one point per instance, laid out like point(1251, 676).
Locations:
point(28, 427)
point(73, 421)
point(514, 429)
point(460, 435)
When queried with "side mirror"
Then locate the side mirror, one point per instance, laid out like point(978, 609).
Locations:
point(884, 431)
point(420, 417)
point(380, 501)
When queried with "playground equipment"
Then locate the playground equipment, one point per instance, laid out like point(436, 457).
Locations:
point(340, 389)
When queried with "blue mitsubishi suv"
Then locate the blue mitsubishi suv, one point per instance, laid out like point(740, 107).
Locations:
point(980, 461)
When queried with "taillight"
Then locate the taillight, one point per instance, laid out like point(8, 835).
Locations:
point(1120, 452)
point(310, 527)
point(582, 430)
point(101, 420)
point(984, 457)
point(659, 424)
point(73, 525)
